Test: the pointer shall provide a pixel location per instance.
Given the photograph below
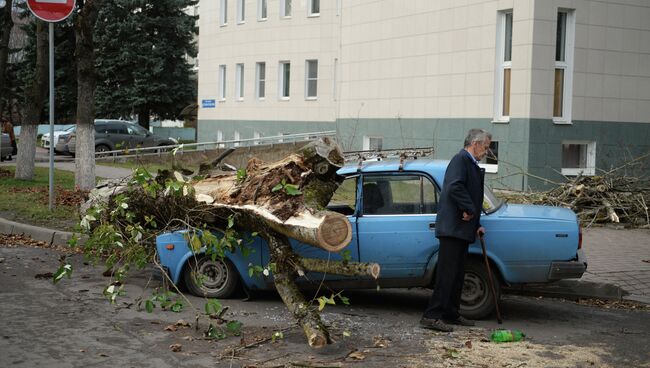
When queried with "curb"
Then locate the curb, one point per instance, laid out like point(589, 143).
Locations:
point(49, 236)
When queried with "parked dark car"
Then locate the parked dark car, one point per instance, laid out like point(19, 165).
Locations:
point(111, 135)
point(5, 147)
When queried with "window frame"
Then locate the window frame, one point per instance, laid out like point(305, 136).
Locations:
point(311, 13)
point(489, 167)
point(222, 82)
point(262, 6)
point(283, 9)
point(590, 160)
point(282, 82)
point(241, 11)
point(239, 81)
point(260, 83)
point(389, 177)
point(309, 63)
point(566, 66)
point(367, 139)
point(502, 65)
point(223, 13)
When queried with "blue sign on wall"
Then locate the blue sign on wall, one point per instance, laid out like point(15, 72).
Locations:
point(208, 104)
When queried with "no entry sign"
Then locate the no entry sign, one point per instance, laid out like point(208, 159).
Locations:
point(51, 10)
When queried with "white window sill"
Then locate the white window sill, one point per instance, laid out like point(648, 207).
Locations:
point(501, 120)
point(261, 98)
point(285, 17)
point(315, 15)
point(222, 100)
point(262, 19)
point(575, 172)
point(560, 121)
point(490, 168)
point(285, 98)
point(239, 99)
point(311, 98)
point(223, 25)
point(240, 22)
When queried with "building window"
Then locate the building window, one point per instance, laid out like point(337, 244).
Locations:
point(239, 81)
point(223, 14)
point(222, 82)
point(373, 143)
point(241, 11)
point(236, 137)
point(563, 76)
point(314, 8)
point(220, 139)
point(285, 8)
point(260, 80)
point(504, 67)
point(311, 79)
point(491, 161)
point(262, 12)
point(285, 79)
point(578, 158)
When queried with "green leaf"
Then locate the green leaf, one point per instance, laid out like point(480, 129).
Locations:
point(212, 306)
point(64, 270)
point(346, 255)
point(234, 327)
point(278, 335)
point(276, 188)
point(195, 243)
point(292, 190)
point(344, 300)
point(321, 303)
point(148, 305)
point(177, 306)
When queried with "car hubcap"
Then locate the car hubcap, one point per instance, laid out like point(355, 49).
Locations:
point(214, 274)
point(474, 291)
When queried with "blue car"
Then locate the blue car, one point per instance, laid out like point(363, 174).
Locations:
point(392, 209)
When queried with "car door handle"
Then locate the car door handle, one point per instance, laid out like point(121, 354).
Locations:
point(432, 226)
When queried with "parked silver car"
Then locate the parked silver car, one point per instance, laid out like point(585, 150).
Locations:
point(113, 135)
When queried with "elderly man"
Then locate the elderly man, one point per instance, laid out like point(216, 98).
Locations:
point(457, 224)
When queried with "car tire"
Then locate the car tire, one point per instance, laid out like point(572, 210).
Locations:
point(101, 148)
point(476, 300)
point(218, 279)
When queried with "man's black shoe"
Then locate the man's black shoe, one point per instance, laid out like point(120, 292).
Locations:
point(461, 321)
point(435, 324)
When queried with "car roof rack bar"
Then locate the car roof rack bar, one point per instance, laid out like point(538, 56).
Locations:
point(380, 155)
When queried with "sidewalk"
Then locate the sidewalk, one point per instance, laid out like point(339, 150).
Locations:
point(106, 172)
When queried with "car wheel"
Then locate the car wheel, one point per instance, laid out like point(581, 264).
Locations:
point(101, 148)
point(163, 148)
point(212, 279)
point(476, 300)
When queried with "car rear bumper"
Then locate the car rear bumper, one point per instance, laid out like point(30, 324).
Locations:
point(568, 269)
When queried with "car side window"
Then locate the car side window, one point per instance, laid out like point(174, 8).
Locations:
point(399, 195)
point(344, 199)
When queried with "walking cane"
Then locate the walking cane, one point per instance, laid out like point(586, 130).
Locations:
point(489, 272)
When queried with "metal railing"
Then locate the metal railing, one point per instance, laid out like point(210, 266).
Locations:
point(202, 146)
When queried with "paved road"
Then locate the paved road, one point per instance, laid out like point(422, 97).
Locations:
point(72, 325)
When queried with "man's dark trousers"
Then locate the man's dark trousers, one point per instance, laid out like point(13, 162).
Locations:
point(450, 274)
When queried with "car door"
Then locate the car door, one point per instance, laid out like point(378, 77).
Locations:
point(397, 224)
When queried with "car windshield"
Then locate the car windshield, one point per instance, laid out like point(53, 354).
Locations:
point(490, 201)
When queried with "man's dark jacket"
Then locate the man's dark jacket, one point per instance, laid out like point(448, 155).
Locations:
point(462, 191)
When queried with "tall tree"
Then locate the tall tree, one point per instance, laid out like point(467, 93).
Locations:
point(33, 106)
point(142, 59)
point(86, 83)
point(6, 24)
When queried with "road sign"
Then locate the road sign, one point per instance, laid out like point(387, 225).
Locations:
point(208, 104)
point(51, 10)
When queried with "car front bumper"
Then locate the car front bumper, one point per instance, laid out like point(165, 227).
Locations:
point(569, 269)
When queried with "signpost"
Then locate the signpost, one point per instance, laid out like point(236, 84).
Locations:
point(51, 11)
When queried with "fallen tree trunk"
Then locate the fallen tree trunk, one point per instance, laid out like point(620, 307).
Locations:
point(281, 200)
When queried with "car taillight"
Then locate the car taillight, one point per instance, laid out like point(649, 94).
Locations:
point(69, 138)
point(580, 237)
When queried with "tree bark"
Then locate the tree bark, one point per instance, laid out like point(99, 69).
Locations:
point(34, 107)
point(86, 83)
point(144, 118)
point(5, 33)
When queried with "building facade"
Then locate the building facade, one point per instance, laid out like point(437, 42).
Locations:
point(563, 85)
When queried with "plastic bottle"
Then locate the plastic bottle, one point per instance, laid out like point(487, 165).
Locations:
point(507, 335)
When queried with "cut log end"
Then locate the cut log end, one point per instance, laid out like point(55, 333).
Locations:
point(374, 270)
point(334, 233)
